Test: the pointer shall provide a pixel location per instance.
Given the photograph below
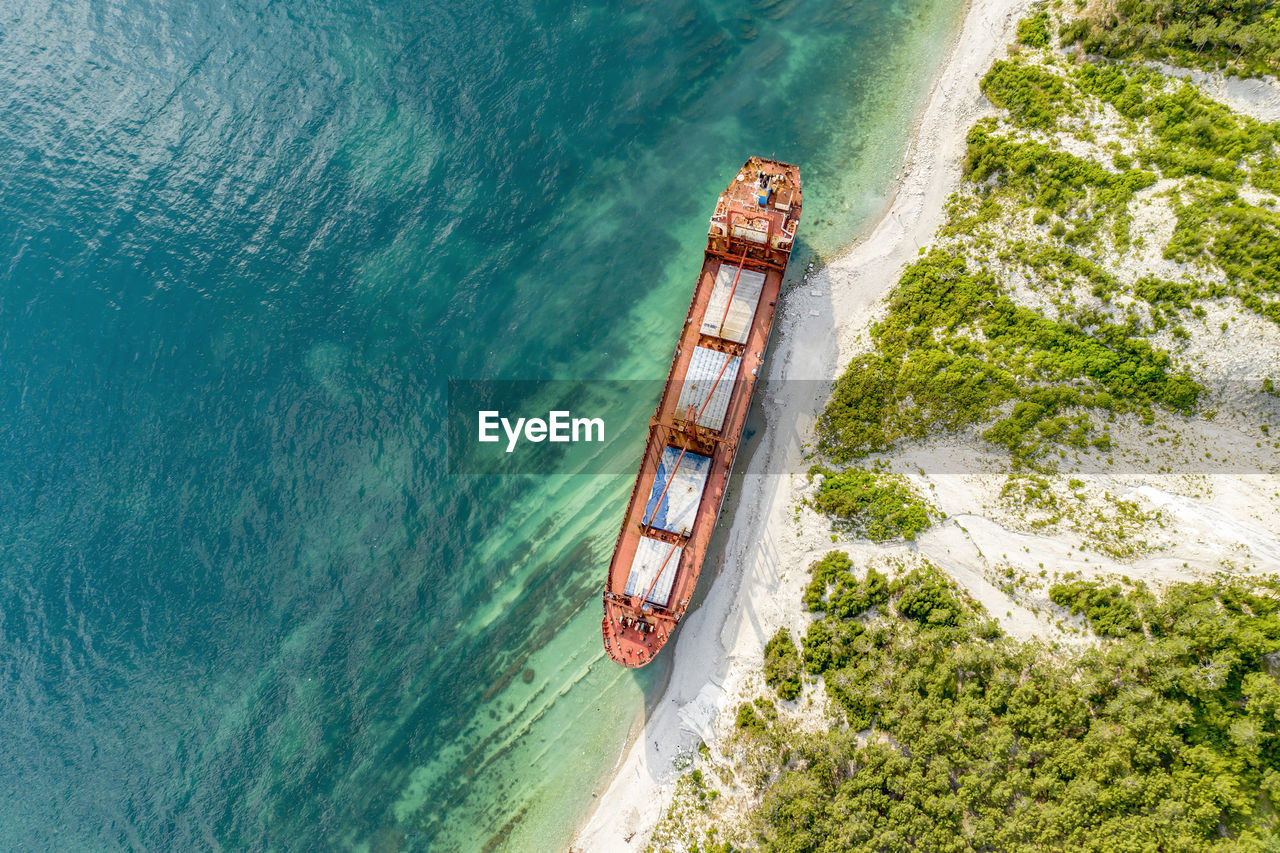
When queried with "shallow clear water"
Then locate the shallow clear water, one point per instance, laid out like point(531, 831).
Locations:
point(244, 246)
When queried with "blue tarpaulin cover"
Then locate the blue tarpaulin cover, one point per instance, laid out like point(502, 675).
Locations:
point(680, 503)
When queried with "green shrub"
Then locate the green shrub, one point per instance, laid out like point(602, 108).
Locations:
point(927, 597)
point(829, 644)
point(1168, 742)
point(1109, 612)
point(750, 721)
point(853, 598)
point(782, 665)
point(1240, 37)
point(1033, 97)
point(1215, 225)
point(834, 588)
point(1033, 31)
point(824, 573)
point(1195, 135)
point(872, 505)
point(922, 356)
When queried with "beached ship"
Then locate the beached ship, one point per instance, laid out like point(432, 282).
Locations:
point(694, 435)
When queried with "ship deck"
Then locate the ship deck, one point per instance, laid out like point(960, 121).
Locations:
point(695, 432)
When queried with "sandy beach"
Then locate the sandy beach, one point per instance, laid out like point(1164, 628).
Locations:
point(719, 647)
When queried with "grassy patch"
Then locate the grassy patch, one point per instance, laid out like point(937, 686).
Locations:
point(1035, 97)
point(876, 506)
point(954, 348)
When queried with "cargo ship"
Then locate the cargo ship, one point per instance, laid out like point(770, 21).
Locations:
point(695, 432)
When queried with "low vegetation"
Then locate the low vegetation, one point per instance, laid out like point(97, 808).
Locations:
point(951, 737)
point(1033, 96)
point(1033, 30)
point(955, 348)
point(833, 587)
point(1109, 612)
point(782, 665)
point(1239, 37)
point(1047, 206)
point(872, 504)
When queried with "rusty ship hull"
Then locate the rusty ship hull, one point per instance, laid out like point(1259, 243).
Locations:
point(695, 433)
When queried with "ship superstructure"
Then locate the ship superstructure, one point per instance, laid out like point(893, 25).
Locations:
point(695, 432)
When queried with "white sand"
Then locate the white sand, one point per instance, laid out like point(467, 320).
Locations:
point(720, 645)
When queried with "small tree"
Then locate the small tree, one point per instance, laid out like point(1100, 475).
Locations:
point(782, 665)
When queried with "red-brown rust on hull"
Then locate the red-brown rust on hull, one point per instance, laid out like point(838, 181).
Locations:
point(655, 568)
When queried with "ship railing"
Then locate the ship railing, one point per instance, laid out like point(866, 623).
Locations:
point(649, 450)
point(788, 236)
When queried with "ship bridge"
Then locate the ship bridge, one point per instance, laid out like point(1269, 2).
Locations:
point(757, 216)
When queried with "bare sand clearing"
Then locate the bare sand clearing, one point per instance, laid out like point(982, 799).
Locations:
point(720, 644)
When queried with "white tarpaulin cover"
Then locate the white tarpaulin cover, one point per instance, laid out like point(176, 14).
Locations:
point(654, 556)
point(743, 308)
point(704, 367)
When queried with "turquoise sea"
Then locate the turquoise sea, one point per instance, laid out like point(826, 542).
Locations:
point(244, 245)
